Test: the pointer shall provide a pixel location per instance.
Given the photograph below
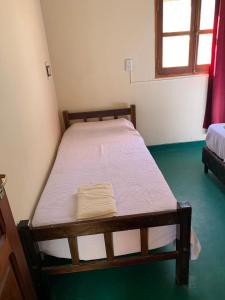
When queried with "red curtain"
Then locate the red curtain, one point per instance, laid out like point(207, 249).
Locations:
point(215, 105)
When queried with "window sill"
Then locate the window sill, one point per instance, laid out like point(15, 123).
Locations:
point(171, 77)
point(175, 77)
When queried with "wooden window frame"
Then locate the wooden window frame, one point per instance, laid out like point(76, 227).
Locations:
point(194, 34)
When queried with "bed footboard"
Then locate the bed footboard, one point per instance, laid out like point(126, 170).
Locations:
point(181, 217)
point(212, 162)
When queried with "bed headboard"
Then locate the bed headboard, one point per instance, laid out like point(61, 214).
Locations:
point(130, 111)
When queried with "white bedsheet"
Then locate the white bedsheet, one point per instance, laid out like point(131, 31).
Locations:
point(113, 152)
point(215, 139)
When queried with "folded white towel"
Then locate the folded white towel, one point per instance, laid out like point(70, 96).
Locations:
point(95, 201)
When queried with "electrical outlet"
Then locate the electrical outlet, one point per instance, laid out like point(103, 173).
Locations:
point(128, 64)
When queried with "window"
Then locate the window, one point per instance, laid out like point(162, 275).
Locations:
point(184, 33)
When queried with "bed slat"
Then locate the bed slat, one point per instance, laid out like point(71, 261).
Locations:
point(116, 262)
point(109, 245)
point(144, 240)
point(74, 250)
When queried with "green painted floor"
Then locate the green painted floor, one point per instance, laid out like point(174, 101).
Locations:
point(183, 170)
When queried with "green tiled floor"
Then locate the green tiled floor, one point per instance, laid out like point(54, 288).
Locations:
point(183, 170)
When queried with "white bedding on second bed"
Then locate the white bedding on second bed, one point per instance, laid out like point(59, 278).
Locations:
point(99, 152)
point(215, 139)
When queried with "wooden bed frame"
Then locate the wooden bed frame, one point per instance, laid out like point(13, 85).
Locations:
point(214, 163)
point(30, 236)
point(85, 116)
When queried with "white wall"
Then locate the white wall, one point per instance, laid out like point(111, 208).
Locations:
point(29, 126)
point(88, 41)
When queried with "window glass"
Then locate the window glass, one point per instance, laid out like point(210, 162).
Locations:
point(176, 15)
point(204, 49)
point(207, 14)
point(176, 51)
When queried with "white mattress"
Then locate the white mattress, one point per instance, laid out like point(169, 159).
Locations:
point(215, 139)
point(97, 152)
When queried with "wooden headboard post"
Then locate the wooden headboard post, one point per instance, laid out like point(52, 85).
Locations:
point(66, 119)
point(131, 111)
point(133, 114)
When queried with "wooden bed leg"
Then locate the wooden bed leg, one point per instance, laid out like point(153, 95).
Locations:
point(32, 255)
point(183, 243)
point(206, 169)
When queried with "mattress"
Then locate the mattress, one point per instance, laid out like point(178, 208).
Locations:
point(215, 139)
point(104, 152)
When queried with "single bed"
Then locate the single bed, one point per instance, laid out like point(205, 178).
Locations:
point(213, 155)
point(148, 215)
